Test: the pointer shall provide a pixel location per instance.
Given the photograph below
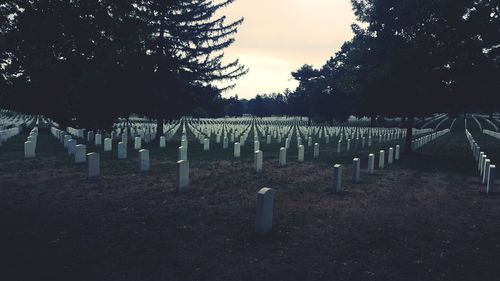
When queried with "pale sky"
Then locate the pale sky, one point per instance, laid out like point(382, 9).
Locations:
point(279, 36)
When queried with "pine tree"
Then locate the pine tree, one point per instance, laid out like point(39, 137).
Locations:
point(185, 46)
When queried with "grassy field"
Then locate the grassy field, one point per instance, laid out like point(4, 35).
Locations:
point(423, 218)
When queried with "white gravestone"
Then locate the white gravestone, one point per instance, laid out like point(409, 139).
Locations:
point(143, 160)
point(81, 154)
point(264, 218)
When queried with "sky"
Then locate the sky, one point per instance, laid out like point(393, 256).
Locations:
point(279, 36)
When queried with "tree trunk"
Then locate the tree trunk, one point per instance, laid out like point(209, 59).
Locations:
point(409, 134)
point(373, 121)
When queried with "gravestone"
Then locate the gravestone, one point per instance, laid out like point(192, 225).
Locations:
point(264, 217)
point(371, 163)
point(390, 157)
point(108, 144)
point(66, 139)
point(182, 153)
point(258, 161)
point(301, 153)
point(137, 143)
point(237, 150)
point(98, 140)
point(122, 150)
point(163, 142)
point(71, 146)
point(93, 161)
point(29, 149)
point(396, 156)
point(80, 154)
point(490, 187)
point(182, 176)
point(90, 136)
point(282, 158)
point(381, 159)
point(486, 170)
point(337, 178)
point(316, 150)
point(356, 170)
point(143, 160)
point(206, 144)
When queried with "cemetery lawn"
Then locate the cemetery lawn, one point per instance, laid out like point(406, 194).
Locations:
point(421, 219)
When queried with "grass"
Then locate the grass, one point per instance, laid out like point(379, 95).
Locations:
point(420, 219)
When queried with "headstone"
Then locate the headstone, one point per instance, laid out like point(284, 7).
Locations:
point(108, 144)
point(137, 143)
point(396, 156)
point(90, 136)
point(93, 161)
point(316, 150)
point(29, 149)
point(258, 161)
point(282, 158)
point(163, 142)
point(264, 218)
point(182, 176)
point(206, 144)
point(339, 146)
point(225, 143)
point(184, 142)
point(486, 170)
point(98, 140)
point(381, 159)
point(66, 139)
point(481, 155)
point(371, 163)
point(268, 139)
point(337, 178)
point(143, 160)
point(356, 169)
point(122, 150)
point(482, 161)
point(237, 150)
point(348, 144)
point(301, 153)
point(390, 157)
point(71, 146)
point(256, 145)
point(182, 153)
point(490, 187)
point(80, 154)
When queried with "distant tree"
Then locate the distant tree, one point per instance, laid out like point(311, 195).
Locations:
point(234, 107)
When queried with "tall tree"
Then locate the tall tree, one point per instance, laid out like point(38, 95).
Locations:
point(413, 51)
point(90, 61)
point(184, 45)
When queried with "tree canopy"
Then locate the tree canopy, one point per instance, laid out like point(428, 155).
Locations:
point(89, 61)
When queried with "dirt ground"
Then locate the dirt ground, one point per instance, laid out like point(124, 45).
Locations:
point(400, 224)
